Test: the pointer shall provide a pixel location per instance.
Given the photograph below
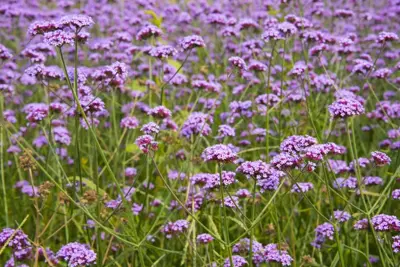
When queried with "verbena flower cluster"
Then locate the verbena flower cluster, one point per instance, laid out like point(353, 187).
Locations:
point(199, 133)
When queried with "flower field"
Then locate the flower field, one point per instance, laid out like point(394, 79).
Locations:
point(199, 133)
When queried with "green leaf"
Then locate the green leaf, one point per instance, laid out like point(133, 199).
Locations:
point(214, 228)
point(174, 63)
point(132, 148)
point(157, 20)
point(238, 222)
point(136, 86)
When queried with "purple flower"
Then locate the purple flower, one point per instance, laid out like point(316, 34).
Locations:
point(243, 246)
point(163, 51)
point(17, 239)
point(344, 108)
point(286, 29)
point(195, 124)
point(192, 41)
point(36, 112)
point(383, 222)
point(272, 34)
point(59, 38)
point(41, 27)
point(61, 135)
point(385, 37)
point(92, 104)
point(129, 123)
point(298, 69)
point(316, 152)
point(204, 238)
point(147, 32)
point(225, 130)
point(396, 244)
point(285, 161)
point(160, 112)
point(257, 66)
point(75, 22)
point(77, 254)
point(207, 86)
point(271, 253)
point(150, 128)
point(361, 224)
point(146, 143)
point(301, 187)
point(396, 194)
point(380, 158)
point(238, 62)
point(130, 172)
point(5, 54)
point(341, 216)
point(172, 229)
point(220, 153)
point(231, 202)
point(243, 193)
point(297, 143)
point(237, 261)
point(372, 180)
point(174, 174)
point(322, 232)
point(382, 73)
point(137, 208)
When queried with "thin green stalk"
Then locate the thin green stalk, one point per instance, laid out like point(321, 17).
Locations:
point(224, 220)
point(3, 183)
point(253, 208)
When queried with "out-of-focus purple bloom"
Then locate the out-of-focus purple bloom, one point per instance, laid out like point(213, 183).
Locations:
point(163, 51)
point(361, 224)
point(204, 238)
point(172, 229)
point(385, 37)
point(285, 161)
point(220, 153)
point(301, 187)
point(225, 130)
point(297, 143)
point(59, 38)
point(129, 123)
point(146, 142)
point(17, 239)
point(196, 123)
point(137, 208)
point(150, 128)
point(238, 62)
point(77, 254)
point(396, 194)
point(341, 216)
point(147, 32)
point(344, 108)
point(237, 261)
point(192, 41)
point(160, 112)
point(396, 244)
point(36, 112)
point(380, 158)
point(383, 222)
point(130, 172)
point(322, 232)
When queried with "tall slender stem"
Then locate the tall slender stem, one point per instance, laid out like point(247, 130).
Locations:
point(224, 219)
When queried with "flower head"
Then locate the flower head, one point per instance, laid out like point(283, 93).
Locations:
point(220, 153)
point(192, 41)
point(344, 108)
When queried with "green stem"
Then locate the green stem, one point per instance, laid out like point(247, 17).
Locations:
point(224, 219)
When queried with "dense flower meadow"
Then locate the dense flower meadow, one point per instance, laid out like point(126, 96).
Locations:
point(200, 133)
